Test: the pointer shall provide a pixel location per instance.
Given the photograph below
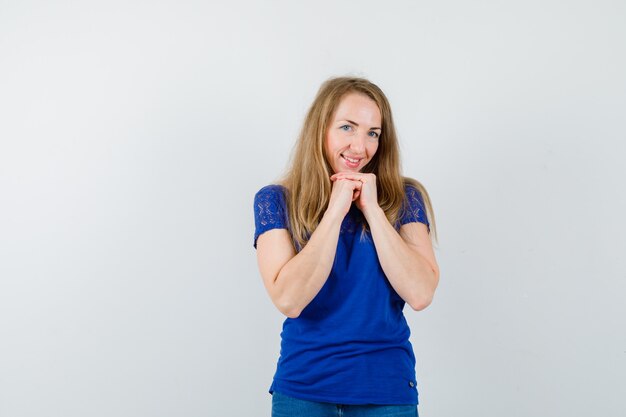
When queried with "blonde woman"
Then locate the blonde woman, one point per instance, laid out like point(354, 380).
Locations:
point(343, 243)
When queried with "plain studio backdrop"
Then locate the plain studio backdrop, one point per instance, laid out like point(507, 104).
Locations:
point(134, 135)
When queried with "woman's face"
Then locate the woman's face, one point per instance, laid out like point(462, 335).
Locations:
point(352, 136)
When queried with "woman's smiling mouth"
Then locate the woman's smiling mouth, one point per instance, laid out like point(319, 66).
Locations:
point(351, 162)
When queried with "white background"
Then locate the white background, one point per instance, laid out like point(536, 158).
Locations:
point(134, 135)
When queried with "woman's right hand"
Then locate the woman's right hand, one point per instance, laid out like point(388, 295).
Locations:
point(344, 192)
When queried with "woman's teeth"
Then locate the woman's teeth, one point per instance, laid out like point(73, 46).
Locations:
point(351, 163)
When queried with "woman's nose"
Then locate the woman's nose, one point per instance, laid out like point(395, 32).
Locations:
point(358, 143)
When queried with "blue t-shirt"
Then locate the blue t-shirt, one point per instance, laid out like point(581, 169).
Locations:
point(350, 345)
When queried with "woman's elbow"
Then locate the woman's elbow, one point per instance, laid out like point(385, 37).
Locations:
point(291, 313)
point(420, 303)
point(288, 308)
point(422, 300)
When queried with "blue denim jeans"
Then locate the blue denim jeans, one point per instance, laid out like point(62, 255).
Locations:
point(286, 406)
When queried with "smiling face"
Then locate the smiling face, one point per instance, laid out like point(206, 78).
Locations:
point(353, 133)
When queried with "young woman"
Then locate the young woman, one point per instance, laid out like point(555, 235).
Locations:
point(343, 242)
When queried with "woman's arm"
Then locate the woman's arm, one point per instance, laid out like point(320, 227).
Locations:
point(293, 280)
point(407, 259)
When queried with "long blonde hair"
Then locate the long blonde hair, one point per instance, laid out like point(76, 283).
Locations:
point(307, 180)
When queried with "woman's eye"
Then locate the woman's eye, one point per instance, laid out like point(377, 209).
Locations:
point(374, 134)
point(346, 128)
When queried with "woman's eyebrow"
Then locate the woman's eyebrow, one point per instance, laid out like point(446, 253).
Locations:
point(356, 124)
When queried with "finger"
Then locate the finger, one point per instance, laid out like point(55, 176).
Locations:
point(352, 180)
point(340, 174)
point(355, 177)
point(342, 179)
point(358, 181)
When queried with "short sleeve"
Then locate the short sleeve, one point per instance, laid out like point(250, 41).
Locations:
point(414, 209)
point(270, 210)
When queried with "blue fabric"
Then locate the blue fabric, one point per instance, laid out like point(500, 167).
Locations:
point(286, 406)
point(350, 345)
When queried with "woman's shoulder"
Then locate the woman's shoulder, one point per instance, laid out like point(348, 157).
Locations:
point(412, 188)
point(271, 191)
point(413, 193)
point(270, 210)
point(414, 207)
point(272, 188)
point(272, 197)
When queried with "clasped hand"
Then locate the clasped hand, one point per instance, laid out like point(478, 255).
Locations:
point(354, 186)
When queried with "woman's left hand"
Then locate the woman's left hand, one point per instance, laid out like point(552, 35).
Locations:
point(367, 197)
